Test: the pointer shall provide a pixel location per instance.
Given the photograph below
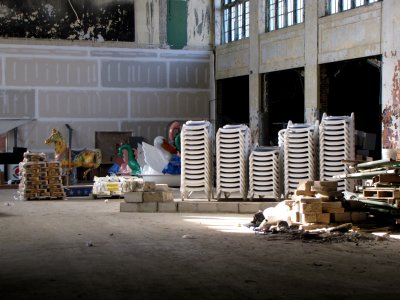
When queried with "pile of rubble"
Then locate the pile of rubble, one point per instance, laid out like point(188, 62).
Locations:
point(315, 205)
point(320, 202)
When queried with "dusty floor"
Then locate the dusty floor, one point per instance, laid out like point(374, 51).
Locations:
point(87, 249)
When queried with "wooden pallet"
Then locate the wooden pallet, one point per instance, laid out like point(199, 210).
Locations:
point(381, 193)
point(389, 196)
point(386, 179)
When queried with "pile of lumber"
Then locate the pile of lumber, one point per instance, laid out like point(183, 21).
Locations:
point(40, 179)
point(320, 202)
point(381, 182)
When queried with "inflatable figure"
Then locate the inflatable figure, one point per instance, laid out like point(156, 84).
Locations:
point(132, 163)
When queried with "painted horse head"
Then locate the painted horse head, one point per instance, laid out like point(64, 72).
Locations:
point(57, 139)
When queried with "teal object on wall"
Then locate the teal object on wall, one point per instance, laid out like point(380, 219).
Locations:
point(177, 24)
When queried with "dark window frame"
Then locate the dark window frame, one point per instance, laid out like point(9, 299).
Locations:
point(235, 27)
point(337, 6)
point(283, 13)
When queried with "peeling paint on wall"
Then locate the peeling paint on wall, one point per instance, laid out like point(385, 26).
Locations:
point(150, 19)
point(391, 113)
point(199, 31)
point(254, 126)
point(72, 20)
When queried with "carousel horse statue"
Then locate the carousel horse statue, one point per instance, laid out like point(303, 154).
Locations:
point(86, 158)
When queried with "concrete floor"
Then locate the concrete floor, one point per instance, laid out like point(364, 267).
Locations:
point(88, 249)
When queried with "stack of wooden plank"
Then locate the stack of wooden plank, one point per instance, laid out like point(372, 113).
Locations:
point(320, 202)
point(40, 179)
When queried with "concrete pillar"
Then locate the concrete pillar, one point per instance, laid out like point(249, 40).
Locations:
point(390, 45)
point(254, 76)
point(311, 69)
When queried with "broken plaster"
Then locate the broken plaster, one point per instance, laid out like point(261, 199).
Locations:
point(390, 114)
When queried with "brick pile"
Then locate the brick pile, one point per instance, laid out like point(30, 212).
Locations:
point(319, 202)
point(150, 192)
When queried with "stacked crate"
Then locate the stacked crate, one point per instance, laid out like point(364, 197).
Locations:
point(264, 180)
point(336, 142)
point(232, 153)
point(196, 158)
point(40, 179)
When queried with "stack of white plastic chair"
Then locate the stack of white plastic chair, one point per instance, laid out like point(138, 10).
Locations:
point(300, 152)
point(264, 180)
point(196, 158)
point(232, 155)
point(337, 143)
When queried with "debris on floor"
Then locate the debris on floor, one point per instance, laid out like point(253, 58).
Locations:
point(316, 212)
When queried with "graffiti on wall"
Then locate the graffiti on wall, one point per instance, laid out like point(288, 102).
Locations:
point(391, 113)
point(98, 20)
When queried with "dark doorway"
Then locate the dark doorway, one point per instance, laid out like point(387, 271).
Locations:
point(283, 102)
point(354, 86)
point(233, 101)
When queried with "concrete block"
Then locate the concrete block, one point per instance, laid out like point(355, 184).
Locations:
point(343, 217)
point(207, 207)
point(249, 207)
point(190, 207)
point(149, 207)
point(308, 218)
point(149, 186)
point(332, 207)
point(324, 218)
point(167, 207)
point(305, 186)
point(158, 196)
point(162, 187)
point(310, 207)
point(133, 197)
point(228, 207)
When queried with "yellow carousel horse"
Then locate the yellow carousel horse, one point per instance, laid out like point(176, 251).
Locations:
point(85, 158)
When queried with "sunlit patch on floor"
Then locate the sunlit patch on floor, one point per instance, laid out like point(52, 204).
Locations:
point(387, 234)
point(223, 224)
